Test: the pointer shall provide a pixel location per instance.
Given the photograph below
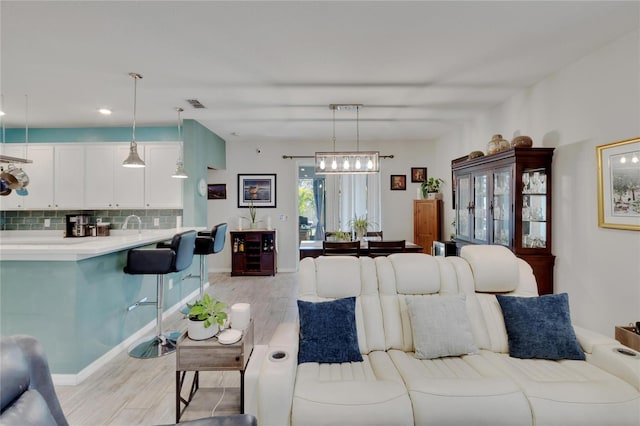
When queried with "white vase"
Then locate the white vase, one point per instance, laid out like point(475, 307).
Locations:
point(197, 331)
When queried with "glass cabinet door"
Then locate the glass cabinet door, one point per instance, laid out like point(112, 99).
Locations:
point(534, 208)
point(463, 206)
point(480, 207)
point(501, 207)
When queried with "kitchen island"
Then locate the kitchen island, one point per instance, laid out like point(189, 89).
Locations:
point(72, 294)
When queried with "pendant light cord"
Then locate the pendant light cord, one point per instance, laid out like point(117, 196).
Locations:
point(334, 130)
point(358, 128)
point(135, 92)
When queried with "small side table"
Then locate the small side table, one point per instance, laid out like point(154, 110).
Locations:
point(210, 355)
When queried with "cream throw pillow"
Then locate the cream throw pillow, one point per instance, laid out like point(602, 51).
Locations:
point(440, 326)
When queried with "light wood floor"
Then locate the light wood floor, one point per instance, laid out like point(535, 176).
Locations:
point(130, 391)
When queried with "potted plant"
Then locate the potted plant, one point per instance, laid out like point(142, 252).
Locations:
point(340, 236)
point(431, 188)
point(360, 225)
point(205, 318)
point(252, 216)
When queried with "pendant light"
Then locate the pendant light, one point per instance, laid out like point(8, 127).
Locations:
point(347, 162)
point(134, 160)
point(179, 173)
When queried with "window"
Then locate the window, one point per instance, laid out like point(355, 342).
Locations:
point(329, 202)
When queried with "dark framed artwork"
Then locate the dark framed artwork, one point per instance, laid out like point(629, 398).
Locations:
point(398, 182)
point(418, 174)
point(258, 190)
point(217, 191)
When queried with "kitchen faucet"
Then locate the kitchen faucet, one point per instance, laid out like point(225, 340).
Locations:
point(133, 216)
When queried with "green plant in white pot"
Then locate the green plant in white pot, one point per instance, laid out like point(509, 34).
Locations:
point(206, 316)
point(431, 188)
point(360, 225)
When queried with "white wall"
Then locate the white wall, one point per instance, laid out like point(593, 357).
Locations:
point(593, 101)
point(397, 206)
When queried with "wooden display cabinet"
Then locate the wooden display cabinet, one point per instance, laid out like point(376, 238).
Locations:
point(253, 252)
point(505, 198)
point(427, 223)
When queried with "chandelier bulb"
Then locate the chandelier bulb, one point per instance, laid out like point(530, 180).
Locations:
point(322, 164)
point(334, 164)
point(345, 165)
point(358, 165)
point(369, 164)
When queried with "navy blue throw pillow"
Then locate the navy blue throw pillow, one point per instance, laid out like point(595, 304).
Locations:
point(328, 331)
point(540, 327)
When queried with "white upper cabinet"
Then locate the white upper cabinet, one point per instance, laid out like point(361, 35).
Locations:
point(161, 190)
point(91, 176)
point(108, 185)
point(40, 173)
point(69, 176)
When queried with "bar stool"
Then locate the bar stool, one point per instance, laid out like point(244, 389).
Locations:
point(208, 243)
point(164, 259)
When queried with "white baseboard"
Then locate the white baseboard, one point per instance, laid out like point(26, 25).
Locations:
point(75, 379)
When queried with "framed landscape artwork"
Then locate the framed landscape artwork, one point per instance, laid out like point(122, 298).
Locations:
point(217, 191)
point(257, 190)
point(619, 184)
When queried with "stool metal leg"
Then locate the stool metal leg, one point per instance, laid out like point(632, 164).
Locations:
point(158, 345)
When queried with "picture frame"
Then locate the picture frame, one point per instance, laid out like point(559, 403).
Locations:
point(217, 191)
point(418, 174)
point(398, 182)
point(619, 184)
point(257, 190)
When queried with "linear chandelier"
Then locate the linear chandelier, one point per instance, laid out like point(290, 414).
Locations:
point(347, 162)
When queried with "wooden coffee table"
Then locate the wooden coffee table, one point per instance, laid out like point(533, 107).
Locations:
point(210, 355)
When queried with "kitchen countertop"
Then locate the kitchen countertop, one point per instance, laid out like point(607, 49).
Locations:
point(52, 246)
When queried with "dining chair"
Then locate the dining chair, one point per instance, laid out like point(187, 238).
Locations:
point(385, 248)
point(374, 234)
point(341, 248)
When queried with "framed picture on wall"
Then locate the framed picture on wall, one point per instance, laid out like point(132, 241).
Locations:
point(418, 174)
point(619, 185)
point(398, 182)
point(217, 191)
point(257, 190)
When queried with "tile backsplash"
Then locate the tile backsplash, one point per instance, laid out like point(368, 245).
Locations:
point(34, 220)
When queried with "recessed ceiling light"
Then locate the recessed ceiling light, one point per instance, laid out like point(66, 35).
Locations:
point(104, 111)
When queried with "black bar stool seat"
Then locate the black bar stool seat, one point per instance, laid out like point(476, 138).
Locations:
point(164, 259)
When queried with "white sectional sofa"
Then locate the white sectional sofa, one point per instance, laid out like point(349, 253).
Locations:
point(483, 385)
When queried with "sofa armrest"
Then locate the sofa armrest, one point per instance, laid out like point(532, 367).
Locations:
point(604, 353)
point(277, 377)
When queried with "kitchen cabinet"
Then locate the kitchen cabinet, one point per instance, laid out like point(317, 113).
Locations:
point(68, 176)
point(108, 185)
point(40, 173)
point(427, 223)
point(161, 191)
point(253, 252)
point(505, 198)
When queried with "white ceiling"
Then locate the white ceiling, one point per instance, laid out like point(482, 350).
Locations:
point(268, 70)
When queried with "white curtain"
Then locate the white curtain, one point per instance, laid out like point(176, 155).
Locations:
point(353, 195)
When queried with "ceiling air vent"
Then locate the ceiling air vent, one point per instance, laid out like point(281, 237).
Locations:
point(195, 103)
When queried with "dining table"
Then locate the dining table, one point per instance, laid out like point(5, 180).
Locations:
point(314, 248)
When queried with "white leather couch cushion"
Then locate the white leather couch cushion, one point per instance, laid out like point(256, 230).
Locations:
point(464, 390)
point(571, 392)
point(362, 393)
point(334, 277)
point(495, 268)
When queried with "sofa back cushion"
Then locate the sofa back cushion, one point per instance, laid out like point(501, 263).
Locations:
point(404, 276)
point(335, 277)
